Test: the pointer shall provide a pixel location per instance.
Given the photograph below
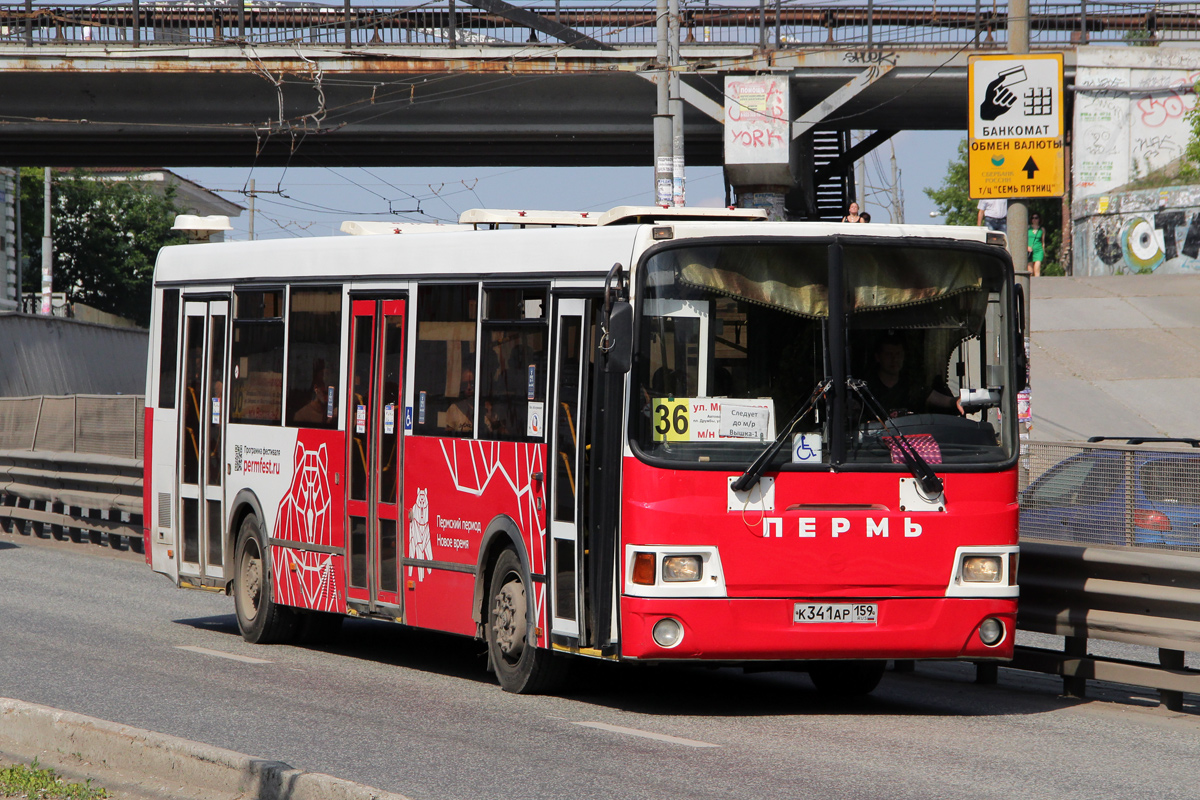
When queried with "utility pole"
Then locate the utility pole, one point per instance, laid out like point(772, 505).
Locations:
point(252, 195)
point(1018, 212)
point(47, 251)
point(676, 106)
point(897, 193)
point(664, 152)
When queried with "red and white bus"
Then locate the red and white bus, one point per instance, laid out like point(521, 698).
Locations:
point(645, 435)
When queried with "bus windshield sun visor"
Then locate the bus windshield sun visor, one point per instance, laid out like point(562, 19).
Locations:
point(769, 276)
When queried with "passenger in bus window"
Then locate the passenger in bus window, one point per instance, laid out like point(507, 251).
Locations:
point(895, 389)
point(460, 417)
point(315, 412)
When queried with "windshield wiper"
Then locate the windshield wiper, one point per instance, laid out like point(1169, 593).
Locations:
point(931, 485)
point(755, 470)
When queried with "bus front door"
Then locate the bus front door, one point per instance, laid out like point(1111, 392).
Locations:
point(201, 551)
point(375, 439)
point(567, 448)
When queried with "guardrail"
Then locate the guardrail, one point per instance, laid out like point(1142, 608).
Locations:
point(449, 23)
point(69, 495)
point(71, 467)
point(1121, 595)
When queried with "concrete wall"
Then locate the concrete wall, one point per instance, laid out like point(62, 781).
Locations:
point(55, 356)
point(1128, 120)
point(1139, 232)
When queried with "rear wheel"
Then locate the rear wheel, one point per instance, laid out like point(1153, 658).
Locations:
point(260, 619)
point(520, 666)
point(846, 678)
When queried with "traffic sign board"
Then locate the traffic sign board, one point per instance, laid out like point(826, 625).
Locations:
point(1016, 136)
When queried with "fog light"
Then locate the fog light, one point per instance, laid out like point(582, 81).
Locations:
point(643, 569)
point(667, 632)
point(682, 568)
point(991, 631)
point(981, 569)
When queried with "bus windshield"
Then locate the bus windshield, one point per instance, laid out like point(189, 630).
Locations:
point(735, 337)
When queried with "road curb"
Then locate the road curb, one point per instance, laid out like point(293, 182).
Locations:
point(169, 759)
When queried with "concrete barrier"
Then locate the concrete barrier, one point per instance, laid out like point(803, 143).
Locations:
point(153, 764)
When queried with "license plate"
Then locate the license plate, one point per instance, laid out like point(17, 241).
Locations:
point(867, 613)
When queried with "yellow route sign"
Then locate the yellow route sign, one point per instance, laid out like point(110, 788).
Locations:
point(1016, 136)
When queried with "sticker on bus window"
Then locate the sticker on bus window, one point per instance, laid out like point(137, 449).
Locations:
point(694, 419)
point(360, 419)
point(806, 448)
point(389, 419)
point(532, 390)
point(216, 411)
point(421, 410)
point(329, 403)
point(534, 420)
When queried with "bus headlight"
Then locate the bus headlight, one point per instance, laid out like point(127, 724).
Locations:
point(676, 569)
point(667, 632)
point(980, 569)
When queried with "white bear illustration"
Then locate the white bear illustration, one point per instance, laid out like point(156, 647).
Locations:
point(419, 543)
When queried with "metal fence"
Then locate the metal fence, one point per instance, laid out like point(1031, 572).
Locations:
point(1105, 493)
point(109, 425)
point(770, 23)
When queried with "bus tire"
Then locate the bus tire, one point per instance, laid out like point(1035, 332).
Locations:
point(260, 619)
point(846, 678)
point(520, 667)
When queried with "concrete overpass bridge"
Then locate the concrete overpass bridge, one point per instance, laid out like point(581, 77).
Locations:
point(483, 82)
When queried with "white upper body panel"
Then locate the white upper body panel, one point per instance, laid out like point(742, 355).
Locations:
point(487, 254)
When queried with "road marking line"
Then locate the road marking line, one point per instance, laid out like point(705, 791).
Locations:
point(662, 737)
point(206, 652)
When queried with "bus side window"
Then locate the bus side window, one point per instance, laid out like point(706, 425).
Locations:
point(257, 369)
point(168, 325)
point(314, 357)
point(513, 362)
point(444, 364)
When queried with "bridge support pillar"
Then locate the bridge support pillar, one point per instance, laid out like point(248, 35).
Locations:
point(759, 153)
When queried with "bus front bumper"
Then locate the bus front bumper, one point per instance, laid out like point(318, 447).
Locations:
point(765, 629)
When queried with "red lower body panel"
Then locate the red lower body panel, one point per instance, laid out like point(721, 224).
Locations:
point(762, 629)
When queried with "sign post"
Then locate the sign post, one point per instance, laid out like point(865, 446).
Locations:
point(1016, 137)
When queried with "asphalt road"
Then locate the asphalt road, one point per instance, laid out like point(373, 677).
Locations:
point(95, 632)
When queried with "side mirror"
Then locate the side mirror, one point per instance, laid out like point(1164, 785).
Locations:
point(617, 340)
point(1020, 357)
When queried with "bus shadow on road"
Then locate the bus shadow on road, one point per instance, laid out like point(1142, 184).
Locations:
point(933, 689)
point(384, 643)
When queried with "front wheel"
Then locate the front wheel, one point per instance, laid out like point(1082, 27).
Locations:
point(846, 678)
point(520, 666)
point(260, 619)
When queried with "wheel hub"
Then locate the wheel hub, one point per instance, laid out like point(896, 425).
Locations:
point(251, 584)
point(508, 614)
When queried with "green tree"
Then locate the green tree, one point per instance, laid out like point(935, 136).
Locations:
point(953, 197)
point(107, 235)
point(953, 201)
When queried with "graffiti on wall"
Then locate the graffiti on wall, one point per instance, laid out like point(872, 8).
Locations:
point(1141, 232)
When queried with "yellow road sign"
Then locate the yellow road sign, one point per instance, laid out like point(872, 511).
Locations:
point(1016, 137)
point(1017, 168)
